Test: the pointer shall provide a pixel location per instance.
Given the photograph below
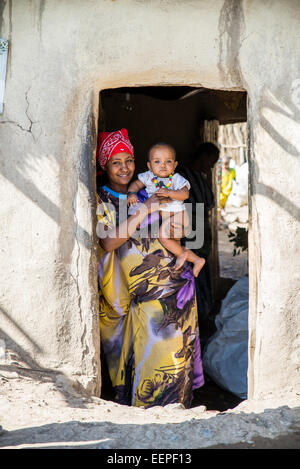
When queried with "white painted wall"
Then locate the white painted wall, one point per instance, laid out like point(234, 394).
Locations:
point(62, 53)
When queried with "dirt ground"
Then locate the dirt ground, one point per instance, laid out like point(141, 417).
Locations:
point(233, 267)
point(40, 410)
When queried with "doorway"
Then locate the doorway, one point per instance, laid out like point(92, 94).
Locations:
point(185, 117)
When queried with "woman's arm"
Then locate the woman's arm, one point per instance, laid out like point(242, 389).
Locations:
point(135, 186)
point(180, 194)
point(119, 235)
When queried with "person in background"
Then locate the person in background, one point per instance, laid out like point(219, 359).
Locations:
point(228, 175)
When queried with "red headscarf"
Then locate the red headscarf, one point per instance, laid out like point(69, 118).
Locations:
point(110, 143)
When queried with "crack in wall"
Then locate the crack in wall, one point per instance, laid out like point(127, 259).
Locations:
point(18, 125)
point(31, 122)
point(26, 111)
point(76, 280)
point(86, 349)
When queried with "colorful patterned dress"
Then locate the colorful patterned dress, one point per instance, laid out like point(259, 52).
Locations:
point(148, 318)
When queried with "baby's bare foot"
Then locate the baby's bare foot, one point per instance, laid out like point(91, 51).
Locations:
point(198, 264)
point(181, 259)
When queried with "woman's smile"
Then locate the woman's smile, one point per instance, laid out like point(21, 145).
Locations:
point(124, 176)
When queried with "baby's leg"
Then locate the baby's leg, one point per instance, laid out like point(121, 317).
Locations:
point(181, 222)
point(174, 246)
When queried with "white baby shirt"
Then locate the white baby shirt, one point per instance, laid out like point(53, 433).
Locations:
point(178, 182)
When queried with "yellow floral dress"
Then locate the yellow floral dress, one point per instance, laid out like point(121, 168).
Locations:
point(148, 318)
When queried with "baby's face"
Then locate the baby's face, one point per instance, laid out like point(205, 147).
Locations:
point(162, 162)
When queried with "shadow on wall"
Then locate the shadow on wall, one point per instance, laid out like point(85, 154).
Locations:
point(189, 434)
point(19, 360)
point(26, 174)
point(286, 133)
point(270, 108)
point(53, 165)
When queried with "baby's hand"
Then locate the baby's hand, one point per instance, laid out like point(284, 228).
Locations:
point(162, 192)
point(132, 199)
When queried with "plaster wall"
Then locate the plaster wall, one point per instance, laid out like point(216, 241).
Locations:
point(62, 53)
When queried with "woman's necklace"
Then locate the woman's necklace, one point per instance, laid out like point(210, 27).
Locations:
point(166, 185)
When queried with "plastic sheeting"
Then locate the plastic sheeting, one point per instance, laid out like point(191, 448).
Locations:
point(225, 357)
point(239, 193)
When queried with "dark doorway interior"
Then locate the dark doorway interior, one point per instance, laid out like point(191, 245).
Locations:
point(174, 115)
point(168, 114)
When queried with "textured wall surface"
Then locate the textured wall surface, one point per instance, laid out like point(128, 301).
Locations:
point(61, 54)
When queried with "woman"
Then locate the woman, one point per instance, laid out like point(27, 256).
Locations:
point(148, 319)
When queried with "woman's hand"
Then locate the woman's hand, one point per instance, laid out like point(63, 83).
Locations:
point(132, 199)
point(152, 204)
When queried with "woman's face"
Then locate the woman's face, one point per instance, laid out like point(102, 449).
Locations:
point(120, 168)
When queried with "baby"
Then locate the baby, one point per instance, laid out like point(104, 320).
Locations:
point(161, 179)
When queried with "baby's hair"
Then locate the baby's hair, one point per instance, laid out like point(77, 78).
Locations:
point(161, 144)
